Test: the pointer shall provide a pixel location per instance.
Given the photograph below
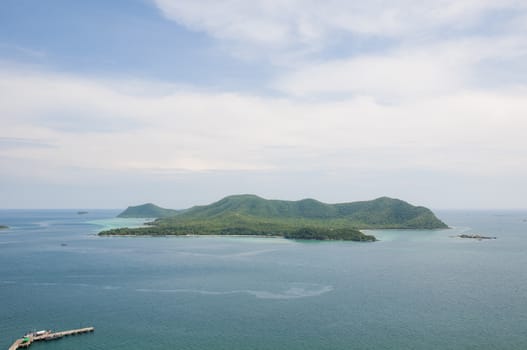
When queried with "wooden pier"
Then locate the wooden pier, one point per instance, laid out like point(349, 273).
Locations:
point(28, 339)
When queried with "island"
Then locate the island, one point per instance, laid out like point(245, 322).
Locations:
point(3, 227)
point(81, 212)
point(475, 236)
point(304, 219)
point(146, 211)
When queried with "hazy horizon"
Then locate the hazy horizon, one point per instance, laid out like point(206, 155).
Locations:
point(210, 202)
point(178, 103)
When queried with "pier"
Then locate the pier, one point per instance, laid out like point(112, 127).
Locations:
point(28, 339)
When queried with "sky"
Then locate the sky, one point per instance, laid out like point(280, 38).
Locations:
point(110, 103)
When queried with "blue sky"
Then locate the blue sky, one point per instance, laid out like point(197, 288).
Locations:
point(112, 103)
point(115, 39)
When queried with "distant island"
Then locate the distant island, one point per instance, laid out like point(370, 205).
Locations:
point(82, 212)
point(147, 210)
point(475, 236)
point(3, 227)
point(305, 219)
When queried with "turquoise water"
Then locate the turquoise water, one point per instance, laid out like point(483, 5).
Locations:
point(411, 290)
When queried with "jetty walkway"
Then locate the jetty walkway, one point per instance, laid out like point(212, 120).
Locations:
point(28, 339)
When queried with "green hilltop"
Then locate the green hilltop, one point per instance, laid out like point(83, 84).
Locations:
point(147, 210)
point(304, 219)
point(382, 212)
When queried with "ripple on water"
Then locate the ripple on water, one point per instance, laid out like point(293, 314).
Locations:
point(295, 291)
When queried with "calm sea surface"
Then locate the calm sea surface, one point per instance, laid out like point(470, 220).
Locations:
point(412, 290)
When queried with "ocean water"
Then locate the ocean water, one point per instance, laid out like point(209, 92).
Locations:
point(411, 290)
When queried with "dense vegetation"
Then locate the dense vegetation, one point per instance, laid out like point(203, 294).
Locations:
point(147, 210)
point(236, 224)
point(382, 212)
point(305, 219)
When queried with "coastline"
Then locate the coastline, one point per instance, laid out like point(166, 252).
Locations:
point(194, 235)
point(263, 237)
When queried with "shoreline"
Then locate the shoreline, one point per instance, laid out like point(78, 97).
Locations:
point(241, 236)
point(193, 235)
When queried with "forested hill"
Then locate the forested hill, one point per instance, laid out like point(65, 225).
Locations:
point(382, 212)
point(304, 219)
point(250, 213)
point(147, 210)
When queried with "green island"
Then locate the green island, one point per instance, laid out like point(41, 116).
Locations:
point(147, 210)
point(304, 219)
point(3, 227)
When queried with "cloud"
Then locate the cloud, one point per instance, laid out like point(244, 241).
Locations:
point(214, 143)
point(401, 74)
point(394, 50)
point(364, 94)
point(17, 142)
point(410, 72)
point(294, 25)
point(199, 131)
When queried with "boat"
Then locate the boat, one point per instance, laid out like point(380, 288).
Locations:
point(36, 333)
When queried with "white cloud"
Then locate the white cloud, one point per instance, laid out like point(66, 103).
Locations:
point(276, 145)
point(293, 24)
point(387, 76)
point(435, 92)
point(203, 131)
point(407, 72)
point(435, 48)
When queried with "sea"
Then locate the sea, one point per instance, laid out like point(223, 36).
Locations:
point(410, 290)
